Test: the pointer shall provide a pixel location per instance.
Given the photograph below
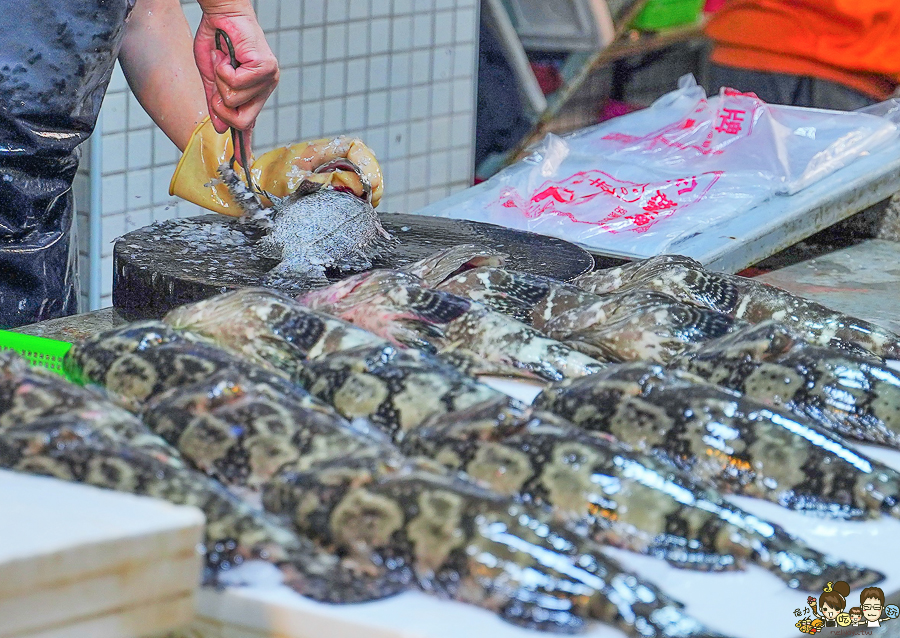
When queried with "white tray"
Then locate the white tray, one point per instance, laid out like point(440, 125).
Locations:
point(748, 604)
point(81, 562)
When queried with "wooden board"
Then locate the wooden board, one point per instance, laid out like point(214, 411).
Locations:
point(166, 265)
point(77, 561)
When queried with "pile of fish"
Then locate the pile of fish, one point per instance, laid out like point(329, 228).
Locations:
point(346, 436)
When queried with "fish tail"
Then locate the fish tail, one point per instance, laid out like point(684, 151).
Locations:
point(254, 212)
point(806, 569)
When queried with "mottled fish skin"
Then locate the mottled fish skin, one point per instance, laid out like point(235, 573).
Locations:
point(463, 542)
point(234, 532)
point(241, 429)
point(396, 390)
point(740, 445)
point(140, 373)
point(747, 299)
point(638, 326)
point(450, 322)
point(854, 396)
point(532, 299)
point(30, 394)
point(621, 497)
point(269, 328)
point(446, 263)
point(311, 229)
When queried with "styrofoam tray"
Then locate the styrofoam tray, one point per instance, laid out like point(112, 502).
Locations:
point(743, 604)
point(77, 561)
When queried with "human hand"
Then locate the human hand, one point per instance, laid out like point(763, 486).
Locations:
point(235, 96)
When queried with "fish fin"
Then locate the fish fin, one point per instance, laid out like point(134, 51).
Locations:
point(509, 306)
point(354, 261)
point(436, 306)
point(294, 276)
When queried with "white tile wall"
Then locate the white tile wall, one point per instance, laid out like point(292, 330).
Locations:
point(398, 73)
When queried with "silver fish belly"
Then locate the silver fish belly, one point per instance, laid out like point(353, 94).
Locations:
point(740, 445)
point(621, 497)
point(853, 396)
point(463, 542)
point(745, 299)
point(311, 229)
point(396, 390)
point(269, 328)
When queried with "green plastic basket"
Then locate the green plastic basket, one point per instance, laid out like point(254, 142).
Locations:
point(39, 351)
point(663, 14)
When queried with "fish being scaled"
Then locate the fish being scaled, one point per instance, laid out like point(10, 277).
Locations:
point(621, 497)
point(241, 429)
point(470, 544)
point(739, 445)
point(269, 328)
point(857, 397)
point(314, 228)
point(396, 390)
point(399, 307)
point(743, 298)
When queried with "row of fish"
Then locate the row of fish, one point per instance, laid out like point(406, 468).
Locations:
point(352, 437)
point(349, 491)
point(404, 393)
point(810, 360)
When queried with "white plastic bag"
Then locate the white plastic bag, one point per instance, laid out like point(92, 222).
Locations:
point(639, 184)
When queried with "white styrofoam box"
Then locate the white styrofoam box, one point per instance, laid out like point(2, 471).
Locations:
point(79, 561)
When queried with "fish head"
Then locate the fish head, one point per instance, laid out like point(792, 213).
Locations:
point(448, 263)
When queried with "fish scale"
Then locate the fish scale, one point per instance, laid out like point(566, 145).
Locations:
point(740, 445)
point(312, 228)
point(620, 497)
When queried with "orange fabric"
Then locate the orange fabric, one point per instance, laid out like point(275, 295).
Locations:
point(853, 42)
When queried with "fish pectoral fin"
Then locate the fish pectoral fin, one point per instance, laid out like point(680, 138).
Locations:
point(354, 261)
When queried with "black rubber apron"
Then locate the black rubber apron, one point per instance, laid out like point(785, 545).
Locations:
point(56, 58)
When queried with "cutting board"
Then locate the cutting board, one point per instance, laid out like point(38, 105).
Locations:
point(81, 562)
point(168, 264)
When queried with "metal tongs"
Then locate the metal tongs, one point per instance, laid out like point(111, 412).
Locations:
point(237, 137)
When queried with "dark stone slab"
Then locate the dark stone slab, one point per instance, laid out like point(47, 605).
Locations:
point(168, 264)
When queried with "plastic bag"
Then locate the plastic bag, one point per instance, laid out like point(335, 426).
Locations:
point(641, 184)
